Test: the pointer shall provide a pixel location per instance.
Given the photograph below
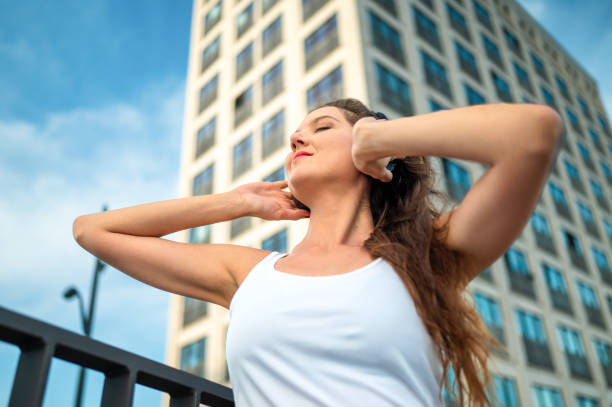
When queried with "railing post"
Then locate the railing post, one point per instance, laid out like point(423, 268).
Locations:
point(31, 376)
point(185, 400)
point(118, 388)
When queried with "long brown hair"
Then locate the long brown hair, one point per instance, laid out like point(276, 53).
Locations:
point(404, 235)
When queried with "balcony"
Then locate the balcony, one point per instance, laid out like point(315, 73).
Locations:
point(595, 316)
point(538, 354)
point(561, 301)
point(40, 342)
point(522, 284)
point(579, 367)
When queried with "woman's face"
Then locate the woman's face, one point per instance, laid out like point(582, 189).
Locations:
point(327, 137)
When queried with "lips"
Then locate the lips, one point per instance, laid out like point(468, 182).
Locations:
point(301, 153)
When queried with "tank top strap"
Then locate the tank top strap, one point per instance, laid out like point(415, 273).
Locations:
point(263, 265)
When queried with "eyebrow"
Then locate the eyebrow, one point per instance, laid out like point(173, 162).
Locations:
point(319, 118)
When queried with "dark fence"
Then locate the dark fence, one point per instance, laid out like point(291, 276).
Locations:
point(39, 342)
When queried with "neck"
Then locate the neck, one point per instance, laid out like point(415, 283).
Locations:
point(337, 221)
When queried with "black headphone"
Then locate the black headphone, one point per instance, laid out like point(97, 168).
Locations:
point(380, 115)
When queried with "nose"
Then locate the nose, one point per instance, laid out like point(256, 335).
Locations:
point(296, 139)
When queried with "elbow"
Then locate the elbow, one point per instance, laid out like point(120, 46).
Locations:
point(78, 227)
point(550, 131)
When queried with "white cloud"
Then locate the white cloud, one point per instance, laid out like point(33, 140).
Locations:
point(68, 166)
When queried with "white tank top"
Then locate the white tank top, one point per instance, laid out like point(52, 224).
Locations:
point(351, 339)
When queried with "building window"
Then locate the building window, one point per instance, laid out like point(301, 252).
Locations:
point(534, 339)
point(457, 179)
point(244, 20)
point(574, 176)
point(546, 396)
point(599, 195)
point(244, 61)
point(272, 36)
point(561, 204)
point(208, 93)
point(388, 5)
point(608, 227)
point(584, 401)
point(488, 309)
point(604, 125)
point(193, 310)
point(277, 242)
point(310, 7)
point(321, 42)
point(602, 264)
point(502, 89)
point(584, 107)
point(243, 106)
point(505, 391)
point(205, 137)
point(563, 88)
point(435, 74)
point(242, 157)
point(549, 99)
point(522, 77)
point(574, 250)
point(587, 294)
point(387, 39)
point(473, 97)
point(210, 53)
point(429, 4)
point(192, 357)
point(203, 182)
point(394, 91)
point(542, 233)
point(212, 18)
point(606, 171)
point(200, 234)
point(272, 134)
point(458, 22)
point(267, 5)
point(276, 175)
point(586, 156)
point(574, 352)
point(272, 83)
point(604, 354)
point(482, 15)
point(574, 121)
point(240, 225)
point(539, 66)
point(492, 51)
point(521, 279)
point(557, 289)
point(435, 106)
point(513, 43)
point(587, 218)
point(427, 29)
point(328, 88)
point(596, 140)
point(467, 62)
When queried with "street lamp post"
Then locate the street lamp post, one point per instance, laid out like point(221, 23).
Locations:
point(86, 319)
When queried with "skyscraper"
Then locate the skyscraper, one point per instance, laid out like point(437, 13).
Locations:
point(257, 67)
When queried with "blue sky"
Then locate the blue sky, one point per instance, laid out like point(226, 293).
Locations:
point(91, 108)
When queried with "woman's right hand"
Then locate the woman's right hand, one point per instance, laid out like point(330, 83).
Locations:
point(267, 200)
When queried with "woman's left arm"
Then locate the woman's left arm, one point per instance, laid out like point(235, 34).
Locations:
point(519, 142)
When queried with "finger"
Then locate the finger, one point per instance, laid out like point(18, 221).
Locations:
point(387, 176)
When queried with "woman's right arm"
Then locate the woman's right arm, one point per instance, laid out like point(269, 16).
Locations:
point(129, 239)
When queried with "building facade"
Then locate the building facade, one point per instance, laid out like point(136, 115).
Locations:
point(257, 67)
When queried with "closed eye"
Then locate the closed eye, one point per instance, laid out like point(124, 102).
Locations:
point(321, 128)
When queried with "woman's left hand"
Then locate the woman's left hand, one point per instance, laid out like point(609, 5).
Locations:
point(373, 166)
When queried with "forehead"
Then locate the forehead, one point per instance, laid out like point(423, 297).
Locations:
point(323, 111)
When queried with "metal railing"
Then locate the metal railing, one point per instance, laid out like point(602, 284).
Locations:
point(40, 342)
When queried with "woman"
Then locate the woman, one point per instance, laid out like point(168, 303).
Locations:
point(370, 307)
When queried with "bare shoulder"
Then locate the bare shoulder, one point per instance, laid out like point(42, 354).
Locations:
point(242, 260)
